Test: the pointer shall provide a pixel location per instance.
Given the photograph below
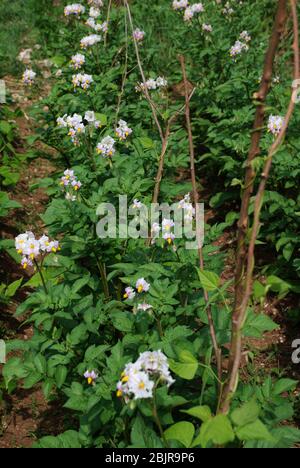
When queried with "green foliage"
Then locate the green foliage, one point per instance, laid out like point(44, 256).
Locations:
point(81, 320)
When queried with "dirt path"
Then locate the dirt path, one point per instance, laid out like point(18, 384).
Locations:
point(25, 415)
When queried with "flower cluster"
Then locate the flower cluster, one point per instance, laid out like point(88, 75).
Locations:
point(82, 80)
point(77, 61)
point(95, 3)
point(141, 286)
point(90, 376)
point(30, 248)
point(207, 27)
point(139, 379)
point(187, 207)
point(152, 84)
point(123, 131)
point(75, 9)
point(180, 4)
point(71, 184)
point(89, 41)
point(29, 77)
point(227, 10)
point(240, 45)
point(245, 36)
point(75, 124)
point(275, 124)
point(138, 35)
point(192, 10)
point(98, 27)
point(94, 12)
point(106, 147)
point(166, 228)
point(238, 48)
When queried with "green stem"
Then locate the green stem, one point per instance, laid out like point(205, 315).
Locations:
point(41, 275)
point(102, 272)
point(157, 421)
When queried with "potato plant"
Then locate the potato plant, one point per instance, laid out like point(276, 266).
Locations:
point(155, 102)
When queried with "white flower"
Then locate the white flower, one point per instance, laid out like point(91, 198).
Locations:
point(21, 241)
point(90, 117)
point(169, 237)
point(138, 379)
point(180, 4)
point(82, 80)
point(123, 131)
point(89, 41)
point(137, 205)
point(91, 376)
point(155, 228)
point(197, 8)
point(238, 48)
point(26, 262)
point(106, 147)
point(61, 121)
point(207, 27)
point(77, 61)
point(140, 385)
point(151, 84)
point(29, 77)
point(94, 12)
point(44, 243)
point(129, 293)
point(144, 307)
point(167, 225)
point(161, 82)
point(142, 285)
point(138, 35)
point(275, 124)
point(74, 9)
point(188, 14)
point(96, 3)
point(32, 248)
point(245, 36)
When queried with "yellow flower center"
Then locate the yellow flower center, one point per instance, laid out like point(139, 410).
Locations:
point(140, 289)
point(90, 380)
point(141, 385)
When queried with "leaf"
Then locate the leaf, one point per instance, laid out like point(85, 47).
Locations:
point(143, 436)
point(40, 363)
point(210, 281)
point(257, 324)
point(248, 413)
point(254, 431)
point(284, 385)
point(13, 287)
point(147, 143)
point(217, 430)
point(122, 321)
point(201, 412)
point(5, 127)
point(183, 432)
point(61, 373)
point(102, 118)
point(187, 366)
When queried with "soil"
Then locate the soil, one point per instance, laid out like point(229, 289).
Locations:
point(26, 415)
